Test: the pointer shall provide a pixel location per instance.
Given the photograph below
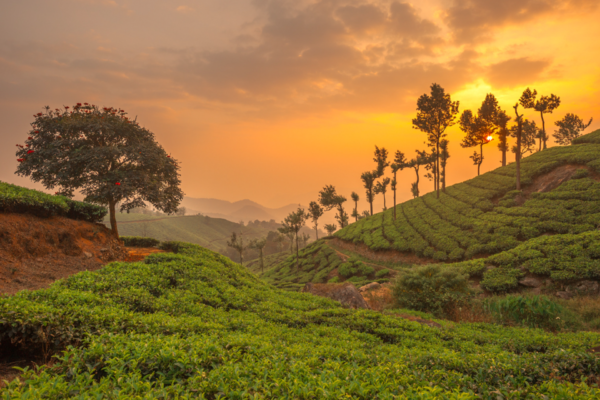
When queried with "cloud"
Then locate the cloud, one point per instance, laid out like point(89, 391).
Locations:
point(476, 20)
point(515, 72)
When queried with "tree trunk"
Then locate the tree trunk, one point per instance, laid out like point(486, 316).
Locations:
point(371, 200)
point(395, 195)
point(504, 157)
point(437, 167)
point(384, 206)
point(113, 217)
point(297, 252)
point(518, 153)
point(356, 211)
point(241, 256)
point(444, 178)
point(480, 158)
point(317, 231)
point(543, 130)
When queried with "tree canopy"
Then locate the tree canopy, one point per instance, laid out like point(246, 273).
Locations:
point(569, 128)
point(102, 153)
point(329, 199)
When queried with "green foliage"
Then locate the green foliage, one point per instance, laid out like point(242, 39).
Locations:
point(17, 199)
point(533, 311)
point(382, 273)
point(196, 325)
point(136, 241)
point(431, 288)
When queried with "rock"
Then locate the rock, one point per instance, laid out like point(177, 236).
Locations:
point(584, 287)
point(346, 294)
point(564, 295)
point(87, 254)
point(531, 281)
point(369, 286)
point(104, 249)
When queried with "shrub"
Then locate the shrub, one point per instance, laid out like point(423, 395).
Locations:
point(382, 273)
point(431, 288)
point(534, 311)
point(136, 241)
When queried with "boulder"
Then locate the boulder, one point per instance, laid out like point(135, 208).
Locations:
point(564, 295)
point(584, 287)
point(369, 286)
point(346, 294)
point(87, 254)
point(531, 281)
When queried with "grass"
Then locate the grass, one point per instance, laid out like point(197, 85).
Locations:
point(196, 325)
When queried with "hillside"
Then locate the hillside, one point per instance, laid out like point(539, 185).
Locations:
point(196, 325)
point(44, 238)
point(490, 231)
point(211, 233)
point(244, 210)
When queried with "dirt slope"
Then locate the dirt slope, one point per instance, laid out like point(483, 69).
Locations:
point(34, 252)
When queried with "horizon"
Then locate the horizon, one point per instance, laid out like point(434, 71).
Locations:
point(271, 101)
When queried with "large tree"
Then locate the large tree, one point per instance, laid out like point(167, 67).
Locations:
point(368, 179)
point(315, 211)
point(398, 165)
point(292, 224)
point(502, 123)
point(480, 128)
point(329, 199)
point(518, 134)
point(259, 244)
point(103, 154)
point(545, 105)
point(381, 187)
point(237, 243)
point(569, 128)
point(355, 198)
point(435, 113)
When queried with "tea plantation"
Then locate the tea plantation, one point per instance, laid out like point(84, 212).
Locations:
point(545, 232)
point(193, 324)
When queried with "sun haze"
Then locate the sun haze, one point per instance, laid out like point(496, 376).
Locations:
point(272, 100)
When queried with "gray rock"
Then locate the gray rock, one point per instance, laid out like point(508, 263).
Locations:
point(87, 254)
point(584, 287)
point(531, 281)
point(369, 286)
point(564, 295)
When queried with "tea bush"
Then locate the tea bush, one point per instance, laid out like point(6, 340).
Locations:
point(136, 241)
point(193, 324)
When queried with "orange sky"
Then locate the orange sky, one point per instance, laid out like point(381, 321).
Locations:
point(273, 99)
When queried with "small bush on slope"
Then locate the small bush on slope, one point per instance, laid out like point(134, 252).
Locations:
point(195, 325)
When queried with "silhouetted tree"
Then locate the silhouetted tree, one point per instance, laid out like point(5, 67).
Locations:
point(381, 156)
point(104, 155)
point(368, 179)
point(259, 244)
point(398, 165)
point(502, 123)
point(330, 228)
point(355, 198)
point(444, 156)
point(518, 135)
point(365, 214)
point(479, 128)
point(315, 211)
point(435, 113)
point(292, 224)
point(422, 158)
point(381, 187)
point(330, 200)
point(237, 243)
point(529, 134)
point(569, 128)
point(545, 105)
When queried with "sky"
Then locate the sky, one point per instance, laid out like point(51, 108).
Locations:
point(270, 100)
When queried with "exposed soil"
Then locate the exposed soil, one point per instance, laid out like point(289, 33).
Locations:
point(380, 255)
point(34, 251)
point(139, 253)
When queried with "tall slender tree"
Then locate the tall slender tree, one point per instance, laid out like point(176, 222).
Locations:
point(529, 134)
point(398, 165)
point(479, 128)
point(237, 243)
point(569, 128)
point(368, 179)
point(329, 199)
point(503, 133)
point(422, 158)
point(545, 105)
point(380, 158)
point(355, 198)
point(292, 224)
point(435, 113)
point(259, 244)
point(518, 133)
point(315, 211)
point(381, 187)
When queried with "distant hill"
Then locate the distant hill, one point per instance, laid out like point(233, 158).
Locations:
point(497, 235)
point(243, 210)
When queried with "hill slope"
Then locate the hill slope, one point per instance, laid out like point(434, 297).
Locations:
point(489, 230)
point(196, 325)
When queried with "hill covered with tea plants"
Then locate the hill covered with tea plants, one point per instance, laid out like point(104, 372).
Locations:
point(193, 324)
